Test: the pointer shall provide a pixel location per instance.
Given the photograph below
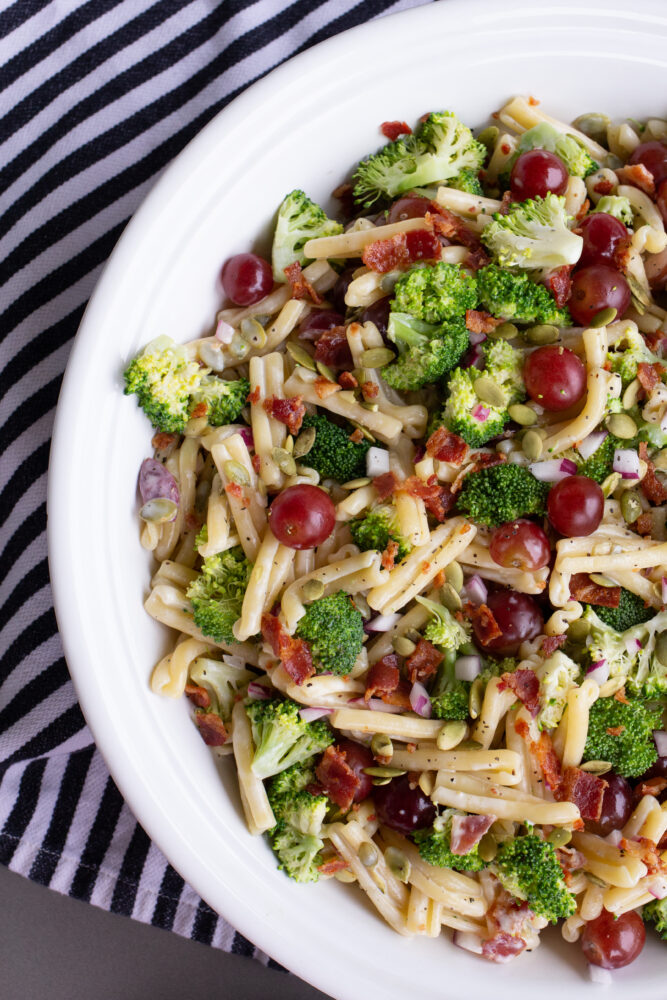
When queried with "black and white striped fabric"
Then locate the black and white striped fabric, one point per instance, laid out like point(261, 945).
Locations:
point(97, 97)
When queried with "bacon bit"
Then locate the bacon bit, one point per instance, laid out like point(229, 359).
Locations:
point(294, 654)
point(337, 777)
point(582, 588)
point(370, 390)
point(333, 349)
point(200, 410)
point(505, 203)
point(584, 789)
point(192, 521)
point(211, 729)
point(324, 388)
point(526, 687)
point(346, 380)
point(650, 375)
point(505, 148)
point(162, 441)
point(478, 321)
point(392, 130)
point(467, 831)
point(199, 696)
point(424, 662)
point(620, 696)
point(644, 524)
point(451, 226)
point(400, 697)
point(477, 258)
point(333, 865)
point(559, 283)
point(388, 559)
point(290, 411)
point(651, 486)
point(638, 176)
point(437, 497)
point(301, 287)
point(488, 628)
point(383, 677)
point(603, 186)
point(385, 484)
point(548, 760)
point(256, 462)
point(583, 210)
point(533, 101)
point(402, 250)
point(645, 850)
point(615, 730)
point(570, 859)
point(550, 643)
point(502, 947)
point(439, 578)
point(253, 397)
point(357, 436)
point(234, 490)
point(654, 786)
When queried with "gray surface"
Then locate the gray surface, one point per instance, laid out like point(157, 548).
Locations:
point(57, 948)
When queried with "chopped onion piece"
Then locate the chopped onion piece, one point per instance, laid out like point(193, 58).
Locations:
point(599, 672)
point(377, 461)
point(663, 585)
point(224, 332)
point(420, 701)
point(660, 737)
point(468, 940)
point(600, 975)
point(658, 887)
point(551, 470)
point(477, 338)
point(568, 466)
point(156, 482)
point(382, 623)
point(626, 461)
point(481, 413)
point(476, 590)
point(258, 692)
point(248, 439)
point(467, 668)
point(590, 444)
point(311, 713)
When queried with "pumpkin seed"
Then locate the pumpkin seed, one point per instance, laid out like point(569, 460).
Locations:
point(560, 837)
point(604, 317)
point(631, 506)
point(368, 854)
point(596, 766)
point(504, 331)
point(488, 848)
point(622, 426)
point(236, 472)
point(373, 407)
point(345, 876)
point(158, 511)
point(579, 630)
point(522, 414)
point(301, 356)
point(475, 698)
point(325, 371)
point(594, 124)
point(543, 333)
point(451, 734)
point(239, 347)
point(641, 299)
point(426, 782)
point(489, 391)
point(532, 445)
point(384, 771)
point(470, 745)
point(356, 484)
point(450, 598)
point(602, 580)
point(595, 880)
point(284, 461)
point(661, 648)
point(631, 393)
point(362, 606)
point(304, 442)
point(312, 590)
point(397, 863)
point(380, 781)
point(377, 357)
point(253, 332)
point(212, 355)
point(610, 483)
point(381, 746)
point(454, 576)
point(489, 136)
point(403, 646)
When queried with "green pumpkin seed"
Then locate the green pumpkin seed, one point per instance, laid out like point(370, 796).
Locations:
point(368, 854)
point(381, 746)
point(489, 391)
point(403, 646)
point(631, 506)
point(579, 630)
point(373, 407)
point(661, 648)
point(544, 333)
point(594, 124)
point(380, 781)
point(532, 445)
point(454, 576)
point(451, 734)
point(610, 483)
point(631, 394)
point(470, 745)
point(488, 848)
point(426, 782)
point(377, 357)
point(602, 580)
point(622, 426)
point(475, 698)
point(301, 356)
point(596, 766)
point(236, 472)
point(239, 347)
point(362, 606)
point(450, 598)
point(253, 332)
point(304, 442)
point(364, 430)
point(284, 461)
point(312, 590)
point(325, 371)
point(595, 880)
point(604, 317)
point(560, 837)
point(397, 863)
point(356, 484)
point(504, 331)
point(489, 136)
point(384, 771)
point(641, 299)
point(158, 511)
point(522, 414)
point(345, 876)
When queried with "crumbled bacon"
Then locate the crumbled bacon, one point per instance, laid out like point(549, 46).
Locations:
point(357, 436)
point(645, 850)
point(346, 380)
point(385, 484)
point(452, 227)
point(234, 490)
point(477, 258)
point(253, 397)
point(559, 283)
point(324, 388)
point(548, 760)
point(388, 559)
point(583, 210)
point(290, 411)
point(651, 486)
point(652, 786)
point(198, 695)
point(402, 250)
point(211, 729)
point(638, 176)
point(526, 687)
point(570, 859)
point(370, 390)
point(582, 588)
point(256, 462)
point(333, 349)
point(164, 443)
point(621, 696)
point(467, 831)
point(502, 947)
point(505, 203)
point(603, 186)
point(445, 446)
point(200, 410)
point(383, 677)
point(192, 521)
point(584, 789)
point(294, 654)
point(392, 130)
point(437, 497)
point(337, 777)
point(550, 643)
point(643, 525)
point(400, 696)
point(486, 627)
point(333, 865)
point(478, 321)
point(301, 287)
point(650, 375)
point(615, 730)
point(424, 662)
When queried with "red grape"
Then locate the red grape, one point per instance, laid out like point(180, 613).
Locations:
point(654, 157)
point(302, 517)
point(536, 173)
point(246, 278)
point(661, 201)
point(554, 377)
point(602, 234)
point(613, 941)
point(402, 806)
point(408, 208)
point(595, 288)
point(317, 321)
point(575, 506)
point(518, 617)
point(616, 806)
point(358, 757)
point(520, 545)
point(378, 313)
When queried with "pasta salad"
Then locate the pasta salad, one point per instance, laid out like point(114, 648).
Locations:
point(408, 509)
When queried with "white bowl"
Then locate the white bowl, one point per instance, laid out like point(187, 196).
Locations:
point(305, 125)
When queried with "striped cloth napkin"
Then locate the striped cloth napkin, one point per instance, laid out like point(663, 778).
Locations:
point(98, 97)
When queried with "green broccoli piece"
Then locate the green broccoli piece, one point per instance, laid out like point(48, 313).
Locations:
point(378, 528)
point(467, 181)
point(425, 352)
point(443, 630)
point(434, 845)
point(298, 853)
point(164, 380)
point(292, 804)
point(632, 654)
point(224, 400)
point(557, 675)
point(656, 913)
point(223, 682)
point(600, 463)
point(450, 697)
point(201, 538)
point(334, 629)
point(299, 220)
point(333, 455)
point(502, 493)
point(441, 148)
point(629, 747)
point(434, 294)
point(216, 595)
point(534, 234)
point(631, 611)
point(528, 868)
point(566, 147)
point(515, 297)
point(281, 737)
point(627, 353)
point(616, 205)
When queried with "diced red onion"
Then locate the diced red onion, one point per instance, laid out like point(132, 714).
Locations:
point(468, 940)
point(664, 589)
point(474, 358)
point(420, 701)
point(599, 672)
point(599, 975)
point(157, 482)
point(614, 838)
point(475, 589)
point(311, 713)
point(658, 887)
point(553, 469)
point(248, 439)
point(481, 413)
point(568, 466)
point(476, 338)
point(224, 332)
point(632, 646)
point(382, 623)
point(377, 462)
point(660, 737)
point(258, 692)
point(590, 444)
point(467, 668)
point(626, 461)
point(420, 452)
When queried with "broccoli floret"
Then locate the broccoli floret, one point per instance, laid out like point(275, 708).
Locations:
point(299, 220)
point(224, 683)
point(292, 804)
point(616, 205)
point(533, 234)
point(333, 455)
point(474, 419)
point(378, 528)
point(289, 782)
point(631, 611)
point(566, 147)
point(622, 733)
point(600, 463)
point(201, 538)
point(425, 352)
point(515, 297)
point(281, 737)
point(434, 845)
point(557, 675)
point(434, 294)
point(656, 913)
point(627, 352)
point(450, 697)
point(467, 181)
point(164, 379)
point(334, 629)
point(528, 868)
point(217, 593)
point(443, 630)
point(441, 148)
point(631, 654)
point(504, 364)
point(298, 853)
point(502, 493)
point(224, 400)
